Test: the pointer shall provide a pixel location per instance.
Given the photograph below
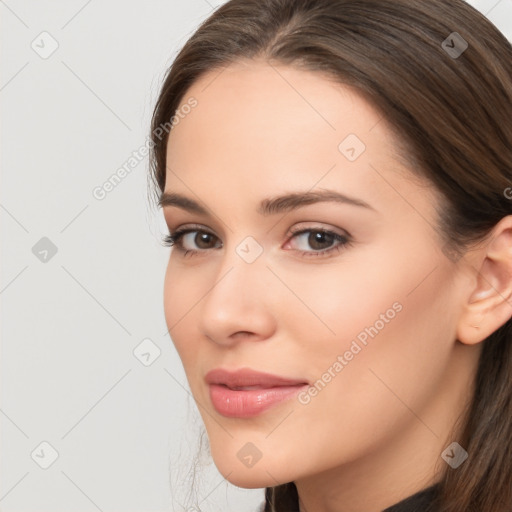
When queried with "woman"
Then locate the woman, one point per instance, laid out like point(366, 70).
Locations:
point(335, 176)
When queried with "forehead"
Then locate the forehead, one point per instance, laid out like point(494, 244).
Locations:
point(267, 100)
point(263, 127)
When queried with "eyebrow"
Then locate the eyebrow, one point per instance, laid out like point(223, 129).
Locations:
point(271, 206)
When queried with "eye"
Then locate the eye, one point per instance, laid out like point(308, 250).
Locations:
point(191, 241)
point(320, 240)
point(184, 236)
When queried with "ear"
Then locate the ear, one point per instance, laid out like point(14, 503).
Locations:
point(489, 303)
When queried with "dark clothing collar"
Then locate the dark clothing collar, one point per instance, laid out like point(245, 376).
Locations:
point(422, 501)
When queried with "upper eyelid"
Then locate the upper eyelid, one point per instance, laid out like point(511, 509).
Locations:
point(294, 231)
point(192, 228)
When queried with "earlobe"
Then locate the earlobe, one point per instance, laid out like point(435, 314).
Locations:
point(489, 304)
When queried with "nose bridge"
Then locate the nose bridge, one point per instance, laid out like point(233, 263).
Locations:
point(243, 261)
point(240, 276)
point(239, 296)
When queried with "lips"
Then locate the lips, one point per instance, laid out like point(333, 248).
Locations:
point(246, 393)
point(246, 379)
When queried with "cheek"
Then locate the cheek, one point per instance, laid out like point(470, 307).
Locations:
point(391, 287)
point(332, 304)
point(394, 304)
point(393, 338)
point(181, 295)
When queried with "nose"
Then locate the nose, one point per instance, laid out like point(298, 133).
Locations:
point(240, 304)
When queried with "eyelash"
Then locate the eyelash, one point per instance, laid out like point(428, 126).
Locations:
point(174, 239)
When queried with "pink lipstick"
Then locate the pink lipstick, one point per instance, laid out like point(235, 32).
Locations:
point(246, 393)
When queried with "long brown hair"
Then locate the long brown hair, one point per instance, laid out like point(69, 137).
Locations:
point(449, 104)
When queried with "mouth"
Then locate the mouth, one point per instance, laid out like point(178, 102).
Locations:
point(246, 393)
point(243, 388)
point(246, 378)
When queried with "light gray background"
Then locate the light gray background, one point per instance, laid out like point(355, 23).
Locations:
point(70, 324)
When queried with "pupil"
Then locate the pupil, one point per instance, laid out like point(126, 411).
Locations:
point(319, 237)
point(203, 237)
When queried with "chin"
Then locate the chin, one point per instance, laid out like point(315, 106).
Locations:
point(252, 478)
point(263, 473)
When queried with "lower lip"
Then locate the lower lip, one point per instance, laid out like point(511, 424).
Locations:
point(246, 404)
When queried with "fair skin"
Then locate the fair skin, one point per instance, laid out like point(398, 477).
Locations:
point(374, 434)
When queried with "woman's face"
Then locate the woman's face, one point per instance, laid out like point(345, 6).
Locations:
point(363, 314)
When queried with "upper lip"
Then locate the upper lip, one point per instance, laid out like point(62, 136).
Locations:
point(248, 377)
